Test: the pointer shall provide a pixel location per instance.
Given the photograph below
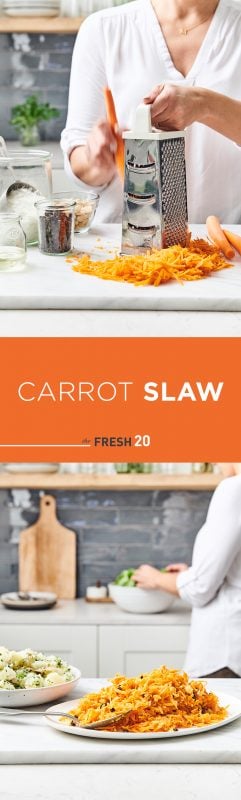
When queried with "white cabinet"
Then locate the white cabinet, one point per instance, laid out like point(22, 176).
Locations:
point(102, 650)
point(77, 644)
point(132, 649)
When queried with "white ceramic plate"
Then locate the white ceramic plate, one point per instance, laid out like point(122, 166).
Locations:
point(234, 712)
point(36, 697)
point(36, 600)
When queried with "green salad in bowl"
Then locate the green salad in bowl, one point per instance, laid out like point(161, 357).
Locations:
point(130, 597)
point(125, 578)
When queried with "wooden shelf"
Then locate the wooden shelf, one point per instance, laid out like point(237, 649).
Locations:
point(118, 482)
point(59, 25)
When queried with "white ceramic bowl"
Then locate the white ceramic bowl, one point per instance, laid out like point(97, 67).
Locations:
point(140, 601)
point(18, 698)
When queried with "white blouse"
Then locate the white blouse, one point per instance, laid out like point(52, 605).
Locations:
point(124, 47)
point(212, 586)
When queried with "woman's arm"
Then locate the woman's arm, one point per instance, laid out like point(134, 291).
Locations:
point(177, 107)
point(218, 543)
point(87, 140)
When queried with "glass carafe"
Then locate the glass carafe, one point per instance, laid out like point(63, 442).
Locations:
point(12, 243)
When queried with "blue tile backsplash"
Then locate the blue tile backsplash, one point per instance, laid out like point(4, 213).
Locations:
point(114, 530)
point(35, 64)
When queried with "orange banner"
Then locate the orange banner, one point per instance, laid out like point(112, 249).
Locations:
point(112, 399)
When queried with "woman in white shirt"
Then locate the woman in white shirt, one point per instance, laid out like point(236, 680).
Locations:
point(212, 585)
point(184, 58)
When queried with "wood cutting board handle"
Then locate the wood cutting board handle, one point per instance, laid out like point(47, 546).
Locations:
point(47, 554)
point(47, 508)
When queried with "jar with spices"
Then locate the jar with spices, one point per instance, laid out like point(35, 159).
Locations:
point(55, 226)
point(86, 204)
point(12, 243)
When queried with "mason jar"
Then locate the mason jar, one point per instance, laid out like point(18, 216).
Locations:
point(30, 166)
point(12, 243)
point(55, 226)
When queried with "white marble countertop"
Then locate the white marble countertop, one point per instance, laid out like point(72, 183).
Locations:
point(48, 282)
point(32, 741)
point(78, 612)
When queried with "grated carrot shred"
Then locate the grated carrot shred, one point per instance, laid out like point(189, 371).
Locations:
point(161, 700)
point(194, 262)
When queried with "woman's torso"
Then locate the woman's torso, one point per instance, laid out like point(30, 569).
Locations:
point(215, 639)
point(136, 58)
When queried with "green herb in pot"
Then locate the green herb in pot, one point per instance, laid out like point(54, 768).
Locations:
point(27, 116)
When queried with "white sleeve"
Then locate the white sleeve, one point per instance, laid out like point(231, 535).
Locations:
point(216, 547)
point(88, 77)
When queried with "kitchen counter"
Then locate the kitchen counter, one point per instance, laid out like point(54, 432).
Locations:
point(19, 320)
point(203, 765)
point(78, 612)
point(48, 282)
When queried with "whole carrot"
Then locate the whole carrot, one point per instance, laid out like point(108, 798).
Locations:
point(218, 237)
point(112, 119)
point(234, 239)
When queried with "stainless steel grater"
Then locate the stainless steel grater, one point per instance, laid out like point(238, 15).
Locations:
point(155, 194)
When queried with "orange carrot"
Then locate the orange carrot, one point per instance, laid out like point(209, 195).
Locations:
point(234, 239)
point(112, 119)
point(218, 237)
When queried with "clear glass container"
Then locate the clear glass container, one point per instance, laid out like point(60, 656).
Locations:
point(104, 468)
point(55, 226)
point(86, 204)
point(121, 467)
point(12, 243)
point(202, 467)
point(30, 166)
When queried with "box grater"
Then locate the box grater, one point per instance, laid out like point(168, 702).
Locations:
point(155, 194)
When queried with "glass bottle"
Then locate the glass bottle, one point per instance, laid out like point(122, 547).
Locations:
point(12, 243)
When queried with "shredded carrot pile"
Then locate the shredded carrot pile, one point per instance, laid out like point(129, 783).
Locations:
point(190, 263)
point(162, 700)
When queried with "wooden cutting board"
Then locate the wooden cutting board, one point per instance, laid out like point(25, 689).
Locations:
point(47, 554)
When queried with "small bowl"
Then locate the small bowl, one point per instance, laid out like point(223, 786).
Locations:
point(140, 601)
point(86, 204)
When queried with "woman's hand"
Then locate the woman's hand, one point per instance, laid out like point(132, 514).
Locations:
point(147, 577)
point(176, 567)
point(173, 108)
point(94, 163)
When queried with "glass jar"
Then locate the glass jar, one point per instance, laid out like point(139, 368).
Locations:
point(55, 226)
point(12, 243)
point(30, 166)
point(86, 204)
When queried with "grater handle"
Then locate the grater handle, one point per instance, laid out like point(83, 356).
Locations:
point(142, 121)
